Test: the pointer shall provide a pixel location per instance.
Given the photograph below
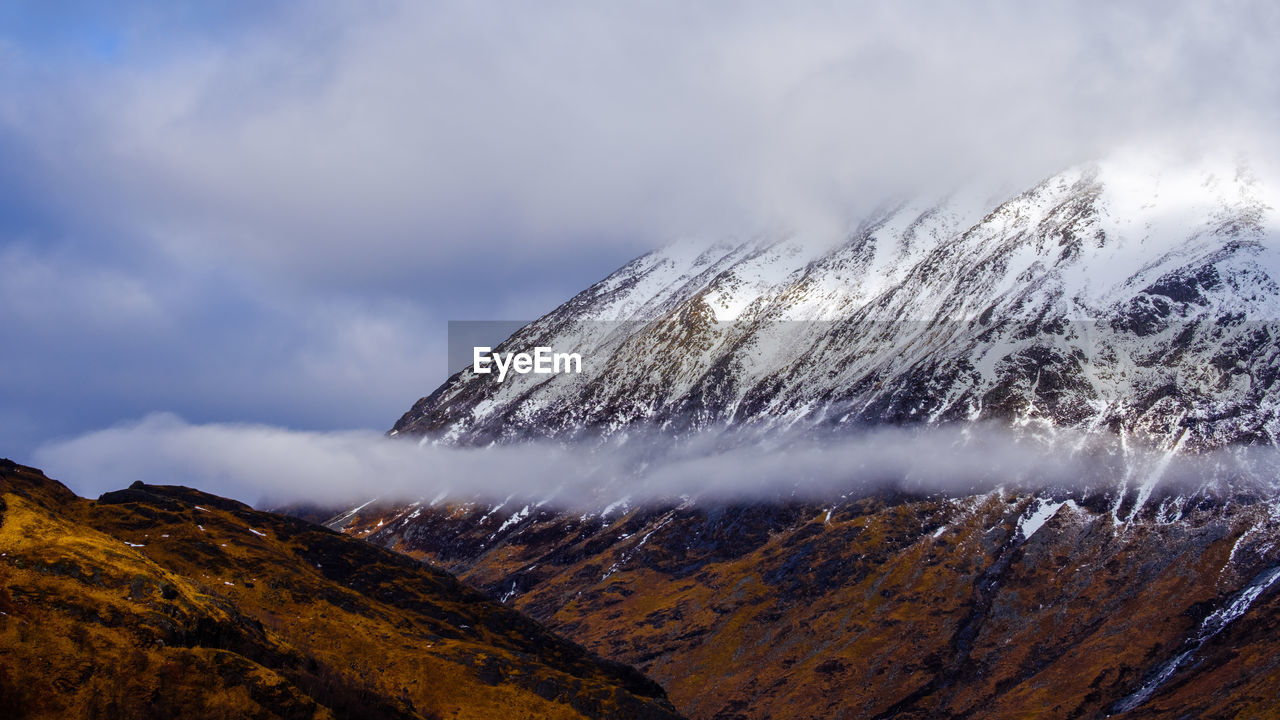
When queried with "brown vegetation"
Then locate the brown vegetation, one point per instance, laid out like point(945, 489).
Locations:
point(167, 602)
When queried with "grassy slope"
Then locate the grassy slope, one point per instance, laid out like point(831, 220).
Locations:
point(166, 602)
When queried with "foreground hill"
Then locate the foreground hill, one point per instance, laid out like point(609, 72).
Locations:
point(164, 602)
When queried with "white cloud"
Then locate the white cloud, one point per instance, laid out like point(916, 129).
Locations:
point(252, 462)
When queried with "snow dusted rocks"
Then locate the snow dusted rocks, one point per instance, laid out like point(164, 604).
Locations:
point(1119, 296)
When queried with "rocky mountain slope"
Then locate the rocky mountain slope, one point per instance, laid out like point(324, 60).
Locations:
point(1126, 300)
point(998, 605)
point(1123, 296)
point(168, 602)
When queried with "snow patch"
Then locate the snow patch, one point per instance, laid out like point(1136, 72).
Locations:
point(515, 519)
point(1039, 513)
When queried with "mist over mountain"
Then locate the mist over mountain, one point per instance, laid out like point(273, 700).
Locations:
point(1121, 309)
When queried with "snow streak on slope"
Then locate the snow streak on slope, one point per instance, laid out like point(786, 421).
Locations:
point(1215, 623)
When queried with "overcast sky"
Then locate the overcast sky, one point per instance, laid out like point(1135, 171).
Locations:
point(267, 212)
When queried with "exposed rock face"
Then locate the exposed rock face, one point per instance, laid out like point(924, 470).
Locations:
point(1108, 298)
point(161, 601)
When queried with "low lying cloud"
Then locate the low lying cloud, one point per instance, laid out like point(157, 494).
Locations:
point(257, 463)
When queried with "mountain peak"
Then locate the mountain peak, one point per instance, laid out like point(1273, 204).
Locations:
point(1130, 294)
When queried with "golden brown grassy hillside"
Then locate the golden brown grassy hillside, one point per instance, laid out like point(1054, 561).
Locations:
point(160, 601)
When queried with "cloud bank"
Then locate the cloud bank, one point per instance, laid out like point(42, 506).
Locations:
point(256, 463)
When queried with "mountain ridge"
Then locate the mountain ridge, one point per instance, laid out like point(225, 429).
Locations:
point(1148, 308)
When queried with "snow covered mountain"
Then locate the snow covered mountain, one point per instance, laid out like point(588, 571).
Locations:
point(1127, 302)
point(1128, 296)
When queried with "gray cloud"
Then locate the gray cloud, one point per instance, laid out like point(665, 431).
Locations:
point(330, 141)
